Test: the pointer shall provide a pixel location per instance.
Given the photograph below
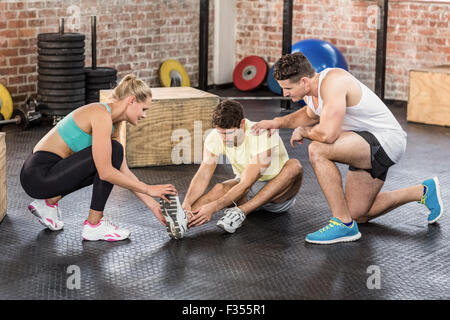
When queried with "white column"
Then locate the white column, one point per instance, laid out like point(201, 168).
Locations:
point(224, 40)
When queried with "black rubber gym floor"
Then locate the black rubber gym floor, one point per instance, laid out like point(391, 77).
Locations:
point(267, 258)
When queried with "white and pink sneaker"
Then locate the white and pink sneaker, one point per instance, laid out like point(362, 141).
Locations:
point(104, 230)
point(49, 215)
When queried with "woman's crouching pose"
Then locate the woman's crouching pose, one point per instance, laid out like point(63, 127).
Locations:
point(82, 150)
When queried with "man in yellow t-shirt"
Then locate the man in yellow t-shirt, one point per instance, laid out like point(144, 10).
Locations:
point(265, 176)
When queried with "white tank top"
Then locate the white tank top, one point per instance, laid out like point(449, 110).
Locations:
point(372, 115)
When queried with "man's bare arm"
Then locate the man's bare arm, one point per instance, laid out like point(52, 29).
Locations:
point(334, 90)
point(302, 117)
point(201, 178)
point(252, 172)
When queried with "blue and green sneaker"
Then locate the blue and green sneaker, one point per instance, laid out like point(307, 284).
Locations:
point(432, 199)
point(334, 232)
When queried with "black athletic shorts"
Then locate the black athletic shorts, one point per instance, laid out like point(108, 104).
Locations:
point(379, 159)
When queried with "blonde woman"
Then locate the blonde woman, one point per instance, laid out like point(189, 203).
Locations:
point(82, 150)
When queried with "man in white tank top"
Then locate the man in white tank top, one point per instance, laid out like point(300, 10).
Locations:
point(347, 123)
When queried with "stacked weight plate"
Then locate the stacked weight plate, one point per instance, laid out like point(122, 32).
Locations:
point(250, 73)
point(97, 79)
point(61, 75)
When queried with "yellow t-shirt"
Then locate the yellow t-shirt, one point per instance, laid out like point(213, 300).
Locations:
point(239, 157)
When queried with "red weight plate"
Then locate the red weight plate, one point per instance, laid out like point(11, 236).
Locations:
point(250, 73)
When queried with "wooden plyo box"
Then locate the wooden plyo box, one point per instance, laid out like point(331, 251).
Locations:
point(429, 95)
point(173, 130)
point(2, 176)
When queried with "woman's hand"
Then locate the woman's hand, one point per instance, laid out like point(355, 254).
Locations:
point(155, 207)
point(160, 190)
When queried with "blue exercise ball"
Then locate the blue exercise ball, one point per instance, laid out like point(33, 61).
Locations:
point(321, 54)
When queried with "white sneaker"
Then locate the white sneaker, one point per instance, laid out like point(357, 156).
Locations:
point(104, 230)
point(49, 215)
point(176, 218)
point(232, 219)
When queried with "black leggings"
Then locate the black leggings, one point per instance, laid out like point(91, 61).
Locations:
point(45, 175)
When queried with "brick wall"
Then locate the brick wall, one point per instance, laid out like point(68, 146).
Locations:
point(259, 27)
point(132, 36)
point(418, 34)
point(137, 35)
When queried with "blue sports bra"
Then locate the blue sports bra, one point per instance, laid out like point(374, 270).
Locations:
point(72, 135)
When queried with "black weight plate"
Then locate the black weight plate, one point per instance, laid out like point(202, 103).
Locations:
point(23, 118)
point(54, 99)
point(101, 79)
point(100, 72)
point(61, 52)
point(80, 77)
point(61, 37)
point(90, 92)
point(61, 72)
point(55, 112)
point(61, 92)
point(61, 85)
point(100, 86)
point(63, 105)
point(60, 45)
point(71, 58)
point(61, 65)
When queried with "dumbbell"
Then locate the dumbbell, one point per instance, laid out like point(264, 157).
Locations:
point(22, 119)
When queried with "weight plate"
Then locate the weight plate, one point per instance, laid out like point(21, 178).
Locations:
point(76, 98)
point(60, 45)
point(60, 52)
point(171, 72)
point(55, 112)
point(61, 65)
point(100, 72)
point(61, 37)
point(101, 79)
point(100, 86)
point(80, 77)
point(23, 118)
point(6, 103)
point(62, 105)
point(61, 85)
point(61, 92)
point(71, 58)
point(60, 72)
point(93, 94)
point(250, 73)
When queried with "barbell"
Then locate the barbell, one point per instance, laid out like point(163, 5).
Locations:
point(21, 118)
